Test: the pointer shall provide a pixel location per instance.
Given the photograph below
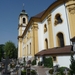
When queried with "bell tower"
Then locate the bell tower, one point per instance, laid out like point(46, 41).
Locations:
point(23, 21)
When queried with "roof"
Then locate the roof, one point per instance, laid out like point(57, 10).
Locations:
point(40, 14)
point(23, 13)
point(73, 39)
point(57, 51)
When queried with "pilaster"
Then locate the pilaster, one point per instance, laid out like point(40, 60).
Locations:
point(20, 47)
point(35, 37)
point(50, 31)
point(70, 5)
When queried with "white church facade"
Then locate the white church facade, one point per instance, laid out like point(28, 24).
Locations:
point(48, 33)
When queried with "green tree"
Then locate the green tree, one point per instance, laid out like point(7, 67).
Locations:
point(1, 51)
point(10, 50)
point(48, 62)
point(72, 66)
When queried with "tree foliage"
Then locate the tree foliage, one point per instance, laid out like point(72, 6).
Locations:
point(72, 66)
point(48, 62)
point(10, 49)
point(1, 51)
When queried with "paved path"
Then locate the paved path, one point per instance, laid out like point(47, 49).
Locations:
point(41, 70)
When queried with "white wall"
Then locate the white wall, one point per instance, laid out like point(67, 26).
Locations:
point(41, 35)
point(63, 61)
point(63, 27)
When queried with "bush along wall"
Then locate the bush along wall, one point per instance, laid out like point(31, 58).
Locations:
point(33, 62)
point(48, 62)
point(33, 72)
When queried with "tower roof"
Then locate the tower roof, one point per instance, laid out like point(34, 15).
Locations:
point(23, 13)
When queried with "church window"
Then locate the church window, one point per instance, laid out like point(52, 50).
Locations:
point(46, 43)
point(54, 58)
point(58, 19)
point(60, 39)
point(30, 48)
point(23, 51)
point(45, 28)
point(23, 20)
point(27, 49)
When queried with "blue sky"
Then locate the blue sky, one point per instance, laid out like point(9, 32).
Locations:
point(9, 13)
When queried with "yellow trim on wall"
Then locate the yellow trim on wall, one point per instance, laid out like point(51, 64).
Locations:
point(20, 48)
point(50, 31)
point(70, 5)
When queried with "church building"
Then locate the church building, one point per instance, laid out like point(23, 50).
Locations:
point(48, 33)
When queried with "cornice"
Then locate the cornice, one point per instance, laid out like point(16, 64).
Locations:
point(19, 37)
point(20, 26)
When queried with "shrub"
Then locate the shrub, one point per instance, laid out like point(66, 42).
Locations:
point(51, 71)
point(69, 73)
point(72, 66)
point(23, 72)
point(62, 69)
point(58, 73)
point(33, 62)
point(33, 72)
point(48, 62)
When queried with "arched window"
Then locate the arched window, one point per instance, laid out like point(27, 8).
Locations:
point(30, 48)
point(46, 43)
point(54, 58)
point(58, 19)
point(45, 28)
point(27, 50)
point(60, 39)
point(24, 20)
point(23, 52)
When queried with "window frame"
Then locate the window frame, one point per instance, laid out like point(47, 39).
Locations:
point(58, 19)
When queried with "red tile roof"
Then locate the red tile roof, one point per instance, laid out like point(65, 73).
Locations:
point(40, 14)
point(57, 51)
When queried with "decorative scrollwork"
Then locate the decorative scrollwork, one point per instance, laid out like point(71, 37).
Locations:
point(72, 9)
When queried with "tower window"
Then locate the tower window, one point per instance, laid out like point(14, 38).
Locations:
point(60, 39)
point(58, 19)
point(24, 20)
